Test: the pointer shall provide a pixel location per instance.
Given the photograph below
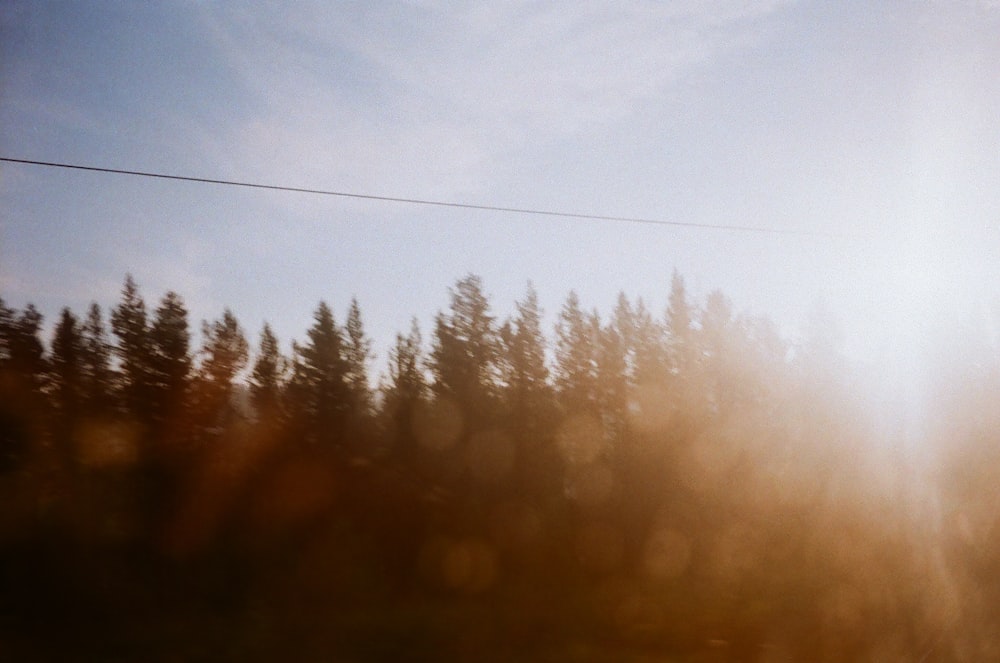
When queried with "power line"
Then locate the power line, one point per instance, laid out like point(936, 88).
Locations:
point(420, 201)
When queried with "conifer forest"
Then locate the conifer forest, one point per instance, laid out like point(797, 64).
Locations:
point(629, 485)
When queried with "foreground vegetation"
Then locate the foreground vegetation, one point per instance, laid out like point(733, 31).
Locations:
point(637, 487)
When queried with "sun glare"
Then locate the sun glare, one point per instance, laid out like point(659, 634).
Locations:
point(915, 305)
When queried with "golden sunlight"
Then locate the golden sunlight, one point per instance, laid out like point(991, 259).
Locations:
point(921, 298)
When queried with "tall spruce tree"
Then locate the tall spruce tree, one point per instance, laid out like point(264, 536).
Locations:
point(612, 380)
point(623, 321)
point(576, 351)
point(526, 377)
point(27, 352)
point(404, 390)
point(357, 357)
point(466, 353)
point(530, 399)
point(647, 347)
point(717, 339)
point(133, 348)
point(95, 365)
point(170, 359)
point(23, 374)
point(224, 354)
point(6, 328)
point(320, 393)
point(67, 381)
point(12, 435)
point(679, 319)
point(267, 379)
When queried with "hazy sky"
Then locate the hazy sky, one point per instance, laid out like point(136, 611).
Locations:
point(878, 120)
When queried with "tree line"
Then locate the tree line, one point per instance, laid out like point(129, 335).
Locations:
point(685, 484)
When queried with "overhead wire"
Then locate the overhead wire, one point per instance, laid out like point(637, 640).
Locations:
point(426, 202)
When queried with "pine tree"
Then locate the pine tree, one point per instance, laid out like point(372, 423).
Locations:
point(716, 339)
point(404, 390)
point(95, 365)
point(224, 352)
point(531, 402)
point(406, 381)
point(170, 360)
point(358, 355)
point(67, 369)
point(528, 393)
point(576, 353)
point(320, 392)
point(679, 328)
point(13, 437)
point(23, 403)
point(267, 380)
point(465, 356)
point(6, 329)
point(27, 352)
point(612, 381)
point(650, 364)
point(130, 327)
point(716, 320)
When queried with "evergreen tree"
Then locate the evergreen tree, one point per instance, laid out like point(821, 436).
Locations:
point(576, 350)
point(26, 350)
point(224, 354)
point(526, 376)
point(12, 435)
point(267, 380)
point(679, 328)
point(405, 389)
point(130, 327)
point(6, 329)
point(717, 339)
point(67, 379)
point(647, 349)
point(95, 365)
point(530, 400)
point(170, 360)
point(623, 321)
point(23, 403)
point(612, 381)
point(465, 358)
point(357, 356)
point(320, 392)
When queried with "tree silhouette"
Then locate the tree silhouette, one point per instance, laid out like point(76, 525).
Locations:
point(26, 351)
point(684, 488)
point(613, 389)
point(224, 355)
point(95, 365)
point(67, 381)
point(679, 320)
point(22, 381)
point(170, 359)
point(357, 356)
point(134, 352)
point(576, 352)
point(465, 355)
point(530, 401)
point(319, 392)
point(267, 380)
point(6, 326)
point(404, 392)
point(526, 374)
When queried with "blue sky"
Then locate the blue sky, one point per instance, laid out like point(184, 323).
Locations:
point(873, 119)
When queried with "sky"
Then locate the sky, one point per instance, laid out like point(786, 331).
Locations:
point(874, 126)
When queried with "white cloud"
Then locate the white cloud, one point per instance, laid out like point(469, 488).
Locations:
point(423, 100)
